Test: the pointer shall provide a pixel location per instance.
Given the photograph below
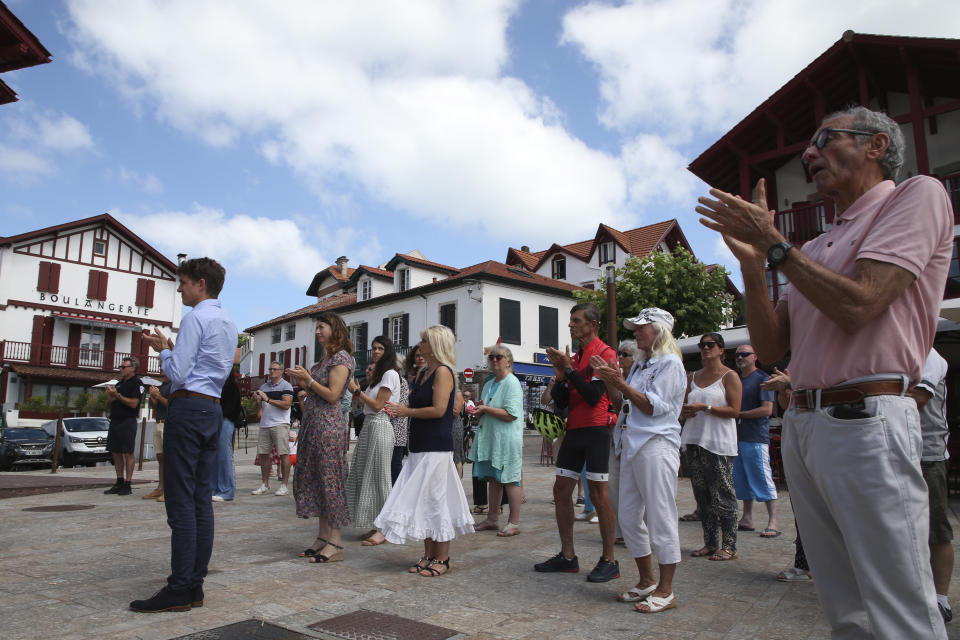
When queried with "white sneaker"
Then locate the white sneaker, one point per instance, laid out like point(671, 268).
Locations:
point(282, 491)
point(262, 490)
point(217, 499)
point(584, 515)
point(595, 520)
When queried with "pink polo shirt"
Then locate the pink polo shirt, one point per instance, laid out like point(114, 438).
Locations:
point(909, 225)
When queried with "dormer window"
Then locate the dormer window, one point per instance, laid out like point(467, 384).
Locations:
point(99, 247)
point(558, 268)
point(365, 289)
point(607, 253)
point(403, 279)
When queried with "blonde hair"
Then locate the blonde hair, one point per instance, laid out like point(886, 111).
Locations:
point(444, 346)
point(664, 343)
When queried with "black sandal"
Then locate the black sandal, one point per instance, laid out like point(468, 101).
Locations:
point(433, 572)
point(310, 552)
point(415, 568)
point(322, 559)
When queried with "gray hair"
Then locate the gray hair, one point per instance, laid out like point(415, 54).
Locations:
point(629, 346)
point(499, 349)
point(134, 362)
point(591, 312)
point(866, 119)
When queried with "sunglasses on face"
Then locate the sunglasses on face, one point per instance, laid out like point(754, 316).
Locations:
point(624, 354)
point(707, 345)
point(823, 136)
point(744, 354)
point(495, 357)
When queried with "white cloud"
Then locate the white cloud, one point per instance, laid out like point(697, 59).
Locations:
point(62, 133)
point(690, 66)
point(247, 245)
point(22, 163)
point(657, 173)
point(31, 140)
point(146, 181)
point(403, 100)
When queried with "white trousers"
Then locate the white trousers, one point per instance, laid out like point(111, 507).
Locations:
point(861, 503)
point(648, 501)
point(613, 488)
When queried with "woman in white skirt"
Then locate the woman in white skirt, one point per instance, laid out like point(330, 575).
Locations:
point(427, 502)
point(368, 483)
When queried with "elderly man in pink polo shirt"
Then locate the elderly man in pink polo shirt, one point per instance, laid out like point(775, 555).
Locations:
point(859, 318)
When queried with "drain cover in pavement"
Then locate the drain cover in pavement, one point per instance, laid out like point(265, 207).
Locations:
point(61, 507)
point(370, 625)
point(247, 630)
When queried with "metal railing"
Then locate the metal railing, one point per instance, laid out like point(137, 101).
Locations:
point(805, 221)
point(70, 357)
point(952, 184)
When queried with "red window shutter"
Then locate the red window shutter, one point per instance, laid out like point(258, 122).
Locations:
point(296, 357)
point(73, 346)
point(93, 283)
point(102, 286)
point(273, 357)
point(43, 277)
point(140, 287)
point(148, 294)
point(109, 345)
point(287, 358)
point(36, 339)
point(54, 277)
point(263, 357)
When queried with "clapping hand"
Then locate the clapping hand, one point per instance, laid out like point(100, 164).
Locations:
point(302, 375)
point(776, 382)
point(606, 371)
point(559, 359)
point(157, 341)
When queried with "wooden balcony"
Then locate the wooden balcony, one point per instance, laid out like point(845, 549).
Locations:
point(71, 357)
point(805, 221)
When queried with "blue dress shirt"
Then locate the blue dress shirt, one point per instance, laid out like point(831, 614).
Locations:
point(202, 358)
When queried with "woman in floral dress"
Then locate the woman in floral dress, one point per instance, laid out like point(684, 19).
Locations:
point(318, 485)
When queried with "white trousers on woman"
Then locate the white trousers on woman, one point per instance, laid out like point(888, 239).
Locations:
point(648, 501)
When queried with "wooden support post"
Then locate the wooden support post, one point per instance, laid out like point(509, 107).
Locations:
point(612, 307)
point(143, 440)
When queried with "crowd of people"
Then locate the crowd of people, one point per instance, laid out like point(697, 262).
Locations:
point(865, 467)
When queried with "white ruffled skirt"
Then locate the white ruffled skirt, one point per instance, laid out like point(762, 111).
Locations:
point(427, 501)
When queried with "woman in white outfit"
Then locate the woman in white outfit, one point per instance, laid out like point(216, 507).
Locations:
point(649, 455)
point(627, 355)
point(710, 438)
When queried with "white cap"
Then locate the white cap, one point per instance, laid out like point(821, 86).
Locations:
point(648, 316)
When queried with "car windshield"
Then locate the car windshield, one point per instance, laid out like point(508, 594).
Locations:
point(18, 433)
point(79, 425)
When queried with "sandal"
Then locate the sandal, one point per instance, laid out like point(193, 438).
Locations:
point(366, 534)
point(373, 542)
point(722, 555)
point(509, 531)
point(486, 525)
point(337, 556)
point(636, 594)
point(705, 551)
point(655, 604)
point(415, 568)
point(433, 573)
point(690, 517)
point(479, 510)
point(309, 552)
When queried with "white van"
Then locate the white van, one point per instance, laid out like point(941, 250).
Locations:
point(83, 441)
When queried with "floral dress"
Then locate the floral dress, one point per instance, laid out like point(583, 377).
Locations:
point(318, 485)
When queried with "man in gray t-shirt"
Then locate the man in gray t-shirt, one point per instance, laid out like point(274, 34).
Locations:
point(274, 399)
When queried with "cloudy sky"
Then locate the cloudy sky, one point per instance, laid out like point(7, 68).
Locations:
point(278, 135)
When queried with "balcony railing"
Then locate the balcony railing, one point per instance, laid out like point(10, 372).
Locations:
point(71, 357)
point(952, 184)
point(805, 221)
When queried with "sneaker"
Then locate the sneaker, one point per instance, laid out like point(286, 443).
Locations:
point(558, 563)
point(604, 571)
point(262, 490)
point(584, 515)
point(164, 600)
point(282, 491)
point(217, 499)
point(156, 493)
point(595, 520)
point(124, 489)
point(580, 501)
point(946, 612)
point(115, 488)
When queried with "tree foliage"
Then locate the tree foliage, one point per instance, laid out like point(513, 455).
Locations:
point(695, 295)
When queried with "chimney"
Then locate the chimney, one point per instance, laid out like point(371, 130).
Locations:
point(525, 249)
point(342, 265)
point(181, 257)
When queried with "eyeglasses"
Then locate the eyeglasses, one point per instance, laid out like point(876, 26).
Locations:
point(495, 356)
point(823, 136)
point(707, 345)
point(275, 369)
point(744, 354)
point(126, 366)
point(625, 354)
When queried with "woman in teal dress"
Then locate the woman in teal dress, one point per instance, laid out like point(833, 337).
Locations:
point(497, 450)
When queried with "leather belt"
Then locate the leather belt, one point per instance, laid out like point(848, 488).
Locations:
point(846, 394)
point(183, 393)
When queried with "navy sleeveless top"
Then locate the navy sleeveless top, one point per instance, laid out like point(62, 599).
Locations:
point(434, 434)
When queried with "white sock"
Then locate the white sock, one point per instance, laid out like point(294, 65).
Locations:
point(943, 602)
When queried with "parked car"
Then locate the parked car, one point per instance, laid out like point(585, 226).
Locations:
point(23, 447)
point(83, 441)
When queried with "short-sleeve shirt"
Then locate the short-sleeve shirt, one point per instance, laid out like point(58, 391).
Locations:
point(754, 429)
point(933, 415)
point(390, 380)
point(272, 416)
point(131, 388)
point(161, 411)
point(909, 225)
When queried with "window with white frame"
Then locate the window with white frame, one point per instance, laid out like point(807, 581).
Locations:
point(403, 279)
point(558, 268)
point(291, 332)
point(396, 329)
point(276, 334)
point(366, 289)
point(607, 253)
point(91, 346)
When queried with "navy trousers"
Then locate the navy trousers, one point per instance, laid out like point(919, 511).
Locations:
point(189, 453)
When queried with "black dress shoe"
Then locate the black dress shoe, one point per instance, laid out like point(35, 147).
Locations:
point(164, 600)
point(197, 600)
point(116, 487)
point(124, 489)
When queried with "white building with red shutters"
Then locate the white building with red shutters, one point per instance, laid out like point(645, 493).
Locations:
point(74, 299)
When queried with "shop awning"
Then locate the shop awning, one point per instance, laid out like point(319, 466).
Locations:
point(96, 321)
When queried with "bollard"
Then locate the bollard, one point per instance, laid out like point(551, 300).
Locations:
point(143, 438)
point(56, 443)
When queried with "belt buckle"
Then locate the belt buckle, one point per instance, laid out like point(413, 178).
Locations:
point(811, 397)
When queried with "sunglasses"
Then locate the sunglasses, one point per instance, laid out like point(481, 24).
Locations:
point(744, 354)
point(496, 356)
point(707, 345)
point(823, 136)
point(625, 354)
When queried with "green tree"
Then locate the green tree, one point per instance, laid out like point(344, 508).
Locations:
point(695, 295)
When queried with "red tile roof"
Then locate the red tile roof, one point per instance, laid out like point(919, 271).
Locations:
point(332, 302)
point(405, 257)
point(374, 271)
point(502, 270)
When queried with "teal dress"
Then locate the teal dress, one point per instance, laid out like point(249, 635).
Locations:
point(497, 450)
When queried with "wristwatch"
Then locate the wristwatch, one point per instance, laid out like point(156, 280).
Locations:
point(777, 254)
point(568, 371)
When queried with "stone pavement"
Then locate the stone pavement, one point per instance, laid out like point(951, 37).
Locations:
point(71, 574)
